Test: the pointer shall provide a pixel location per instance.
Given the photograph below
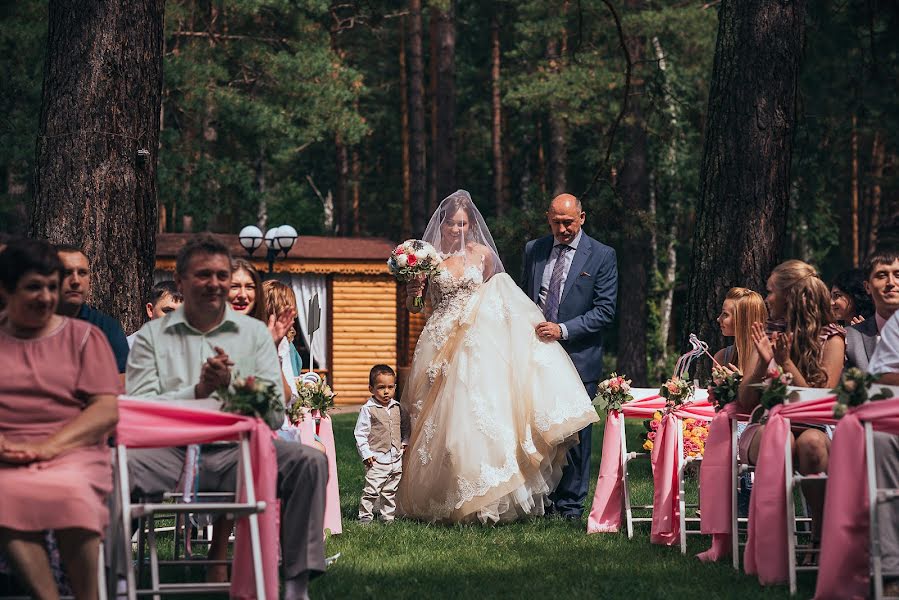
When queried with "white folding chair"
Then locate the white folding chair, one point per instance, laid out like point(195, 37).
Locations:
point(792, 478)
point(876, 497)
point(131, 511)
point(738, 468)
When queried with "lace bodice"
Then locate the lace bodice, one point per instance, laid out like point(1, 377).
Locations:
point(450, 295)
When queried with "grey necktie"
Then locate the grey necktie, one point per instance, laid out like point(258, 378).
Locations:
point(554, 292)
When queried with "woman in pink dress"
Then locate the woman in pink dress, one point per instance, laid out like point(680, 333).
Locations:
point(57, 407)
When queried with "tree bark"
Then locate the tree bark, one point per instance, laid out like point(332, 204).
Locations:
point(357, 175)
point(878, 158)
point(745, 170)
point(635, 258)
point(342, 196)
point(444, 155)
point(95, 176)
point(499, 190)
point(416, 120)
point(404, 132)
point(558, 146)
point(853, 144)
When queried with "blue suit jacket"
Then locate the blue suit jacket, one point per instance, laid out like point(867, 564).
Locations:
point(588, 299)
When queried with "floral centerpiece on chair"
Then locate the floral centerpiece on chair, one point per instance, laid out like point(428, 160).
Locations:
point(852, 390)
point(612, 393)
point(411, 259)
point(724, 386)
point(315, 396)
point(253, 397)
point(775, 388)
point(696, 432)
point(676, 391)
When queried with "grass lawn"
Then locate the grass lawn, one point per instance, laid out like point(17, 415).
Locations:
point(541, 558)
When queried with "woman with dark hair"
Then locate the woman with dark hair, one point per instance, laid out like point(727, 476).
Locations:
point(55, 471)
point(850, 302)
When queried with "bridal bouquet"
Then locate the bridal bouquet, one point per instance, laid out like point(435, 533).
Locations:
point(412, 259)
point(612, 393)
point(253, 397)
point(724, 386)
point(853, 390)
point(676, 391)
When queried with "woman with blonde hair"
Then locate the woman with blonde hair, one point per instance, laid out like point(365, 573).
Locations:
point(802, 340)
point(741, 308)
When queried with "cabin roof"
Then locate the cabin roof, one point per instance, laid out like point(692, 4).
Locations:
point(306, 247)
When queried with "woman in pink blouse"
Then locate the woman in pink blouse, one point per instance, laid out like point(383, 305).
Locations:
point(57, 407)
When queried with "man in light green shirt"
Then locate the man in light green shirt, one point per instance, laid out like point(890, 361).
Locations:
point(195, 350)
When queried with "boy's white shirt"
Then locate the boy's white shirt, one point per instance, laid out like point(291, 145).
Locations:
point(363, 429)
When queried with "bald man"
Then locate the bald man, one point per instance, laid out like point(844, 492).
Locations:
point(574, 280)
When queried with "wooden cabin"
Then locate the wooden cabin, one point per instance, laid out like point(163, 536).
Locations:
point(364, 320)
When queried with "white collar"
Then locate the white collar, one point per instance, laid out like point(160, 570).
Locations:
point(374, 403)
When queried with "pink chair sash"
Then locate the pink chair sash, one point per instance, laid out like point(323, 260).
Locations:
point(665, 501)
point(605, 514)
point(715, 485)
point(766, 547)
point(306, 428)
point(144, 424)
point(844, 571)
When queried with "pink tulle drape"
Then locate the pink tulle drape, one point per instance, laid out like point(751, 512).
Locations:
point(844, 543)
point(144, 424)
point(715, 485)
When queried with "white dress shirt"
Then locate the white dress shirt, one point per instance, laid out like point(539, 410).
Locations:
point(886, 355)
point(548, 273)
point(363, 428)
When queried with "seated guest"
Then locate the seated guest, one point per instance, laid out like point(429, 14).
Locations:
point(882, 283)
point(164, 298)
point(76, 287)
point(246, 295)
point(849, 299)
point(280, 299)
point(57, 406)
point(811, 349)
point(189, 354)
point(741, 308)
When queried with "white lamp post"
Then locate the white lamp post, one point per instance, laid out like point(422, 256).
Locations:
point(277, 239)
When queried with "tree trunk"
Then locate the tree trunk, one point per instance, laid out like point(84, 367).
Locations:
point(342, 199)
point(499, 191)
point(635, 258)
point(745, 171)
point(404, 129)
point(558, 146)
point(95, 177)
point(432, 107)
point(853, 143)
point(356, 174)
point(416, 120)
point(444, 156)
point(262, 212)
point(878, 158)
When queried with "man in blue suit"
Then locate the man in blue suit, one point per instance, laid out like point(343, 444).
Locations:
point(574, 280)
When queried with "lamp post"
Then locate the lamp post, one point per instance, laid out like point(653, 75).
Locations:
point(277, 239)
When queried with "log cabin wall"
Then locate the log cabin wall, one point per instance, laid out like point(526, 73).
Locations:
point(364, 332)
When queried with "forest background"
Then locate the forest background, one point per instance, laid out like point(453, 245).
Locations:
point(356, 118)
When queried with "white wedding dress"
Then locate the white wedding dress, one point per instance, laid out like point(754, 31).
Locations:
point(493, 408)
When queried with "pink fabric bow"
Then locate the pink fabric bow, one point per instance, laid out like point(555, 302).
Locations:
point(144, 424)
point(844, 571)
point(665, 501)
point(715, 485)
point(605, 514)
point(766, 547)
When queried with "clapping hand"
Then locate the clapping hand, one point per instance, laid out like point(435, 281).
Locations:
point(857, 319)
point(280, 324)
point(216, 373)
point(762, 343)
point(782, 344)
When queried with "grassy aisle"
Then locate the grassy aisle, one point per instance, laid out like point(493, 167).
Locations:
point(545, 558)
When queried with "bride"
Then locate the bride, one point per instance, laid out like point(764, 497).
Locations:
point(493, 408)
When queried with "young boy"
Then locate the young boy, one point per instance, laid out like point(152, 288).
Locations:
point(382, 433)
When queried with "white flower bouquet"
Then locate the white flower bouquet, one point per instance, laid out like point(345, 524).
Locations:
point(412, 259)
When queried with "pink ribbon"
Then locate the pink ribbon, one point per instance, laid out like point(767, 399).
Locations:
point(307, 433)
point(145, 424)
point(715, 500)
point(766, 548)
point(844, 543)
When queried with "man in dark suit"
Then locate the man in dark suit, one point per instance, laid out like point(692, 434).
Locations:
point(882, 283)
point(574, 280)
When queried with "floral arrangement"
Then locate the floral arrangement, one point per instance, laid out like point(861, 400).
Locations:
point(411, 259)
point(612, 393)
point(724, 386)
point(696, 432)
point(313, 394)
point(775, 387)
point(852, 390)
point(253, 397)
point(676, 391)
